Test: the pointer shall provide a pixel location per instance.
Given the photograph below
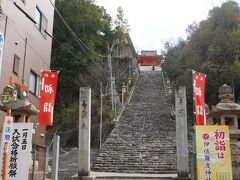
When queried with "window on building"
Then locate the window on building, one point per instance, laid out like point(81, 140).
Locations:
point(34, 83)
point(16, 64)
point(41, 22)
point(38, 17)
point(229, 121)
point(44, 26)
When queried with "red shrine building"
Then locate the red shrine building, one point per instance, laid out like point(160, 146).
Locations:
point(149, 58)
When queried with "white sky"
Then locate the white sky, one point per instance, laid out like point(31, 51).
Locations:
point(154, 22)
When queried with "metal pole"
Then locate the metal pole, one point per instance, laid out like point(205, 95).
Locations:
point(34, 150)
point(5, 157)
point(129, 73)
point(35, 137)
point(24, 62)
point(5, 154)
point(122, 94)
point(101, 110)
point(194, 139)
point(5, 33)
point(111, 83)
point(114, 95)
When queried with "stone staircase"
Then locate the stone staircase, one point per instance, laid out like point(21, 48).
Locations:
point(143, 140)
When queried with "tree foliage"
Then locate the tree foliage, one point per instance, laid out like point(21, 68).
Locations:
point(212, 47)
point(80, 54)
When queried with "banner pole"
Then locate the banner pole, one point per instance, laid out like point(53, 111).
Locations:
point(5, 157)
point(196, 72)
point(194, 131)
point(5, 154)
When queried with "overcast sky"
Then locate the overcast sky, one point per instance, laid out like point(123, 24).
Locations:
point(153, 22)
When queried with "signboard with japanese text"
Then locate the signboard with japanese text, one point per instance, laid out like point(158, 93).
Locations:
point(213, 153)
point(48, 90)
point(199, 97)
point(19, 151)
point(7, 129)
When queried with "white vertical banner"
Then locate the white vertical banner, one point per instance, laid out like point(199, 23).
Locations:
point(1, 51)
point(19, 152)
point(7, 129)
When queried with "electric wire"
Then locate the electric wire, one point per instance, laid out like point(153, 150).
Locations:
point(96, 64)
point(126, 68)
point(14, 3)
point(73, 33)
point(56, 40)
point(79, 9)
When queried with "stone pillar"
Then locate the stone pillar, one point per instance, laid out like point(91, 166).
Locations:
point(235, 149)
point(41, 162)
point(46, 161)
point(181, 132)
point(235, 121)
point(55, 159)
point(222, 120)
point(84, 131)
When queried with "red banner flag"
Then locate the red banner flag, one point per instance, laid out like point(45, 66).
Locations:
point(47, 97)
point(199, 97)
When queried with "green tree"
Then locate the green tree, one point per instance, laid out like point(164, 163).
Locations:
point(121, 22)
point(80, 57)
point(212, 47)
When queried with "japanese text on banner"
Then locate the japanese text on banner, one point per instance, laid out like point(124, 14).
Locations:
point(47, 97)
point(213, 153)
point(199, 97)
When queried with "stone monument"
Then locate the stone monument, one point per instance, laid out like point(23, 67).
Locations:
point(227, 112)
point(181, 132)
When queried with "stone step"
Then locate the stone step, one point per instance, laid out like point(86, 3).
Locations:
point(143, 140)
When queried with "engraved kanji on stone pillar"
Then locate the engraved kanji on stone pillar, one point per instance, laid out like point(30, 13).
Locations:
point(84, 131)
point(181, 132)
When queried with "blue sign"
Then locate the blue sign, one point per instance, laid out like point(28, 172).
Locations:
point(7, 129)
point(1, 38)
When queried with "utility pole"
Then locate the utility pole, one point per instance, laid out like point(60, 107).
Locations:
point(111, 79)
point(114, 96)
point(130, 71)
point(111, 73)
point(101, 110)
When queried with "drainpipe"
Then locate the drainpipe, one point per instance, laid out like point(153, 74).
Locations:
point(24, 61)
